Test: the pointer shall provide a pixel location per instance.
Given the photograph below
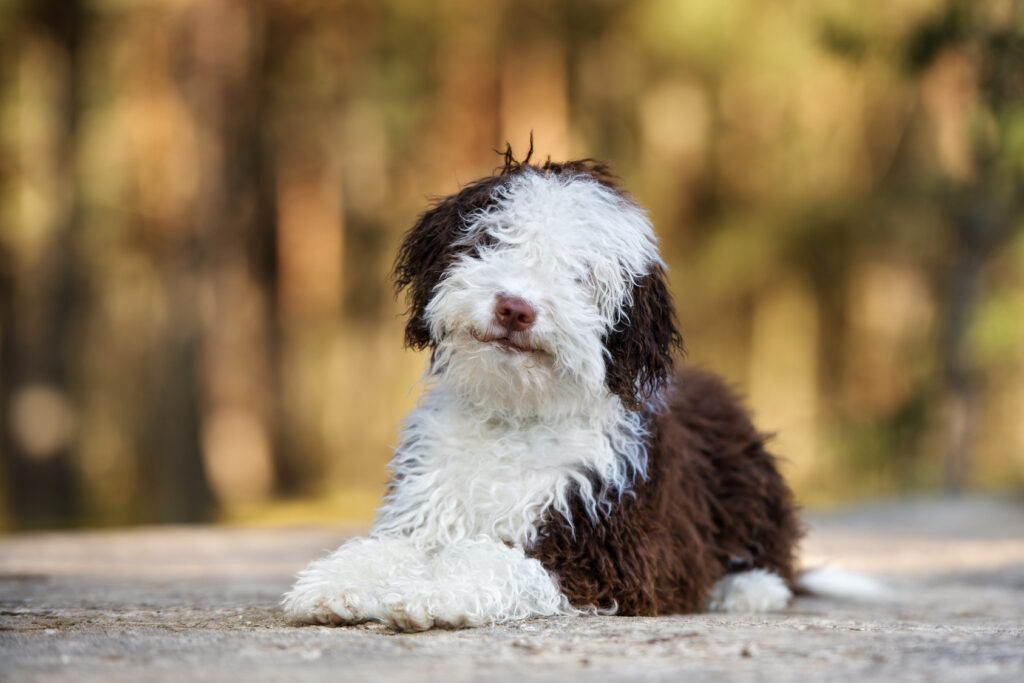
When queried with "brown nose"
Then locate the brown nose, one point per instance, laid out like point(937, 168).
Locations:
point(514, 314)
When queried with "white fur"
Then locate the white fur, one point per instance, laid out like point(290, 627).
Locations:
point(469, 582)
point(463, 472)
point(757, 590)
point(500, 438)
point(842, 584)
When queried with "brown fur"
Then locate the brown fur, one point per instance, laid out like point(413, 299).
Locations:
point(640, 347)
point(713, 502)
point(596, 169)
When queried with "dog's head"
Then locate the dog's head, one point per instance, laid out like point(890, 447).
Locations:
point(539, 288)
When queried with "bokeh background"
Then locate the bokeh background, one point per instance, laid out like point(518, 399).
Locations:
point(200, 201)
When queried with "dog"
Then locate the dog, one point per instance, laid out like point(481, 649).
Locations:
point(556, 464)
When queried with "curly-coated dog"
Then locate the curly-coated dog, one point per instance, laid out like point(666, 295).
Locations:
point(556, 463)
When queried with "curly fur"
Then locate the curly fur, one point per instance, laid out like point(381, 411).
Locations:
point(556, 467)
point(712, 506)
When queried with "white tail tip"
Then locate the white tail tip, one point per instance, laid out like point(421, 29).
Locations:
point(841, 584)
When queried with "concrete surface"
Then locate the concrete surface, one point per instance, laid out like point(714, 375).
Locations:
point(187, 604)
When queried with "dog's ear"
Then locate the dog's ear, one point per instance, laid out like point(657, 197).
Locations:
point(429, 249)
point(641, 344)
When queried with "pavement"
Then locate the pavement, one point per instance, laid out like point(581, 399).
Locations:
point(200, 604)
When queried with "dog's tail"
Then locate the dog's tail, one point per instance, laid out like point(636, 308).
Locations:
point(842, 584)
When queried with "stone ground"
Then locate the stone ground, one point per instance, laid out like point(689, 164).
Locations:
point(199, 603)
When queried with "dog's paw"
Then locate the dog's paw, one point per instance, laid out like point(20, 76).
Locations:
point(418, 613)
point(406, 614)
point(322, 604)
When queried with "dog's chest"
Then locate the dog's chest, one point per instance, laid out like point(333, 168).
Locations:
point(457, 475)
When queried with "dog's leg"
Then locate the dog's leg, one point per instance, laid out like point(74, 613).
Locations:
point(470, 582)
point(474, 582)
point(757, 590)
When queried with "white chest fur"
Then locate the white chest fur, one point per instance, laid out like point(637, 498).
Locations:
point(460, 473)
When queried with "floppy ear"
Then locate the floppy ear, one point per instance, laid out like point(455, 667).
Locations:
point(429, 249)
point(641, 344)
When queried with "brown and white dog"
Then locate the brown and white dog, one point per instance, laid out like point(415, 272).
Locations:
point(556, 464)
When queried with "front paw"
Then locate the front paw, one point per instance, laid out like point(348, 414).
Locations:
point(324, 604)
point(405, 614)
point(350, 585)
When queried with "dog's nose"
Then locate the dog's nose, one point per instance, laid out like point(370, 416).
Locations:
point(514, 314)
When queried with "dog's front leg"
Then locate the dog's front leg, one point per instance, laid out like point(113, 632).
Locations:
point(468, 582)
point(476, 582)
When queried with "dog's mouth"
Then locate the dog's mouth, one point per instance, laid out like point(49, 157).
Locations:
point(507, 343)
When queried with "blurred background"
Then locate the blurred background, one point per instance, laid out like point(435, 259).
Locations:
point(200, 201)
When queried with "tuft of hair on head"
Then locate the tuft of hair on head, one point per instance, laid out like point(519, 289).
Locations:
point(596, 169)
point(511, 164)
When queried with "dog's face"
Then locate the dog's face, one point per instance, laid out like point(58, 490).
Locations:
point(539, 290)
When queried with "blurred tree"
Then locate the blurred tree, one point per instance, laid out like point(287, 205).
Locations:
point(40, 288)
point(200, 200)
point(977, 58)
